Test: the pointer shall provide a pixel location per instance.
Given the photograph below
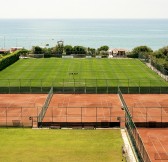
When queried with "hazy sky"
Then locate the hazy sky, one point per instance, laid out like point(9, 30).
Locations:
point(83, 9)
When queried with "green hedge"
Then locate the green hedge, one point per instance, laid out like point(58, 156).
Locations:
point(9, 59)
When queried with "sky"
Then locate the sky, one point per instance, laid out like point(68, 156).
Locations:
point(69, 9)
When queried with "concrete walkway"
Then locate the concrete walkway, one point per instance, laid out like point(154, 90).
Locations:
point(128, 148)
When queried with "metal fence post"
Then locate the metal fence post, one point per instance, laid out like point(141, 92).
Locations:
point(30, 87)
point(6, 117)
point(52, 114)
point(139, 87)
point(96, 86)
point(107, 85)
point(96, 117)
point(74, 84)
point(9, 85)
point(128, 86)
point(160, 87)
point(161, 114)
point(81, 114)
point(41, 86)
point(21, 116)
point(85, 86)
point(63, 85)
point(20, 85)
point(118, 83)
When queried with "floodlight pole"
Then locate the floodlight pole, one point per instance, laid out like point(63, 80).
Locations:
point(73, 74)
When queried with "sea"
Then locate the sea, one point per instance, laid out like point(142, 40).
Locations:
point(93, 33)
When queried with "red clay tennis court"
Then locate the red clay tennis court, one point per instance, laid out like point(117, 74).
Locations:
point(147, 108)
point(83, 108)
point(16, 109)
point(94, 108)
point(150, 111)
point(156, 142)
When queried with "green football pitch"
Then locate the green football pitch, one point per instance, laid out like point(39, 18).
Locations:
point(60, 145)
point(85, 72)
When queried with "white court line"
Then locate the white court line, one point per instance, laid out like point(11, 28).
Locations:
point(142, 114)
point(68, 105)
point(147, 113)
point(84, 109)
point(154, 146)
point(162, 146)
point(31, 99)
point(110, 108)
point(63, 101)
point(164, 111)
point(3, 112)
point(162, 108)
point(60, 109)
point(102, 108)
point(141, 111)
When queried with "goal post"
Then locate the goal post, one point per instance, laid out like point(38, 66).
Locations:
point(36, 55)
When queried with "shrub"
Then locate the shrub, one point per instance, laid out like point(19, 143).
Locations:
point(140, 52)
point(9, 59)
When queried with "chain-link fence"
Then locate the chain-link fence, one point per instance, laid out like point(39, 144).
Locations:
point(86, 117)
point(87, 86)
point(16, 116)
point(134, 135)
point(81, 116)
point(150, 117)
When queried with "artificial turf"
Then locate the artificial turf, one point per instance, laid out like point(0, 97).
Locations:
point(88, 72)
point(60, 145)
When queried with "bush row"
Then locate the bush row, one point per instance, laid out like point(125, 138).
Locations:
point(9, 59)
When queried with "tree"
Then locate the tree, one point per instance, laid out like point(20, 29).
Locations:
point(140, 52)
point(59, 49)
point(103, 48)
point(36, 50)
point(48, 52)
point(68, 49)
point(160, 58)
point(79, 50)
point(91, 51)
point(161, 53)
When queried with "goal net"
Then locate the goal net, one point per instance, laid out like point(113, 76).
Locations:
point(36, 55)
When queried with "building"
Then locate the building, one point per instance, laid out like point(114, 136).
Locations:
point(4, 51)
point(13, 49)
point(117, 52)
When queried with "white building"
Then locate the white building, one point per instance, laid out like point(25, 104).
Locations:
point(117, 52)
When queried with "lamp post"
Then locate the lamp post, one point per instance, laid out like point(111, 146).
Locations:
point(4, 42)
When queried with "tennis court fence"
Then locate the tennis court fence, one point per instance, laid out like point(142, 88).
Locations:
point(83, 86)
point(134, 135)
point(93, 116)
point(45, 106)
point(18, 116)
point(146, 116)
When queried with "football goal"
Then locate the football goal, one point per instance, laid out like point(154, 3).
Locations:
point(36, 55)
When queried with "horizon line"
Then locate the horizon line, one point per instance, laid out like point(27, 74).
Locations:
point(86, 18)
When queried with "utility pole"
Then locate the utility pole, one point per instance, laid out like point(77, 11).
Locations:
point(4, 42)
